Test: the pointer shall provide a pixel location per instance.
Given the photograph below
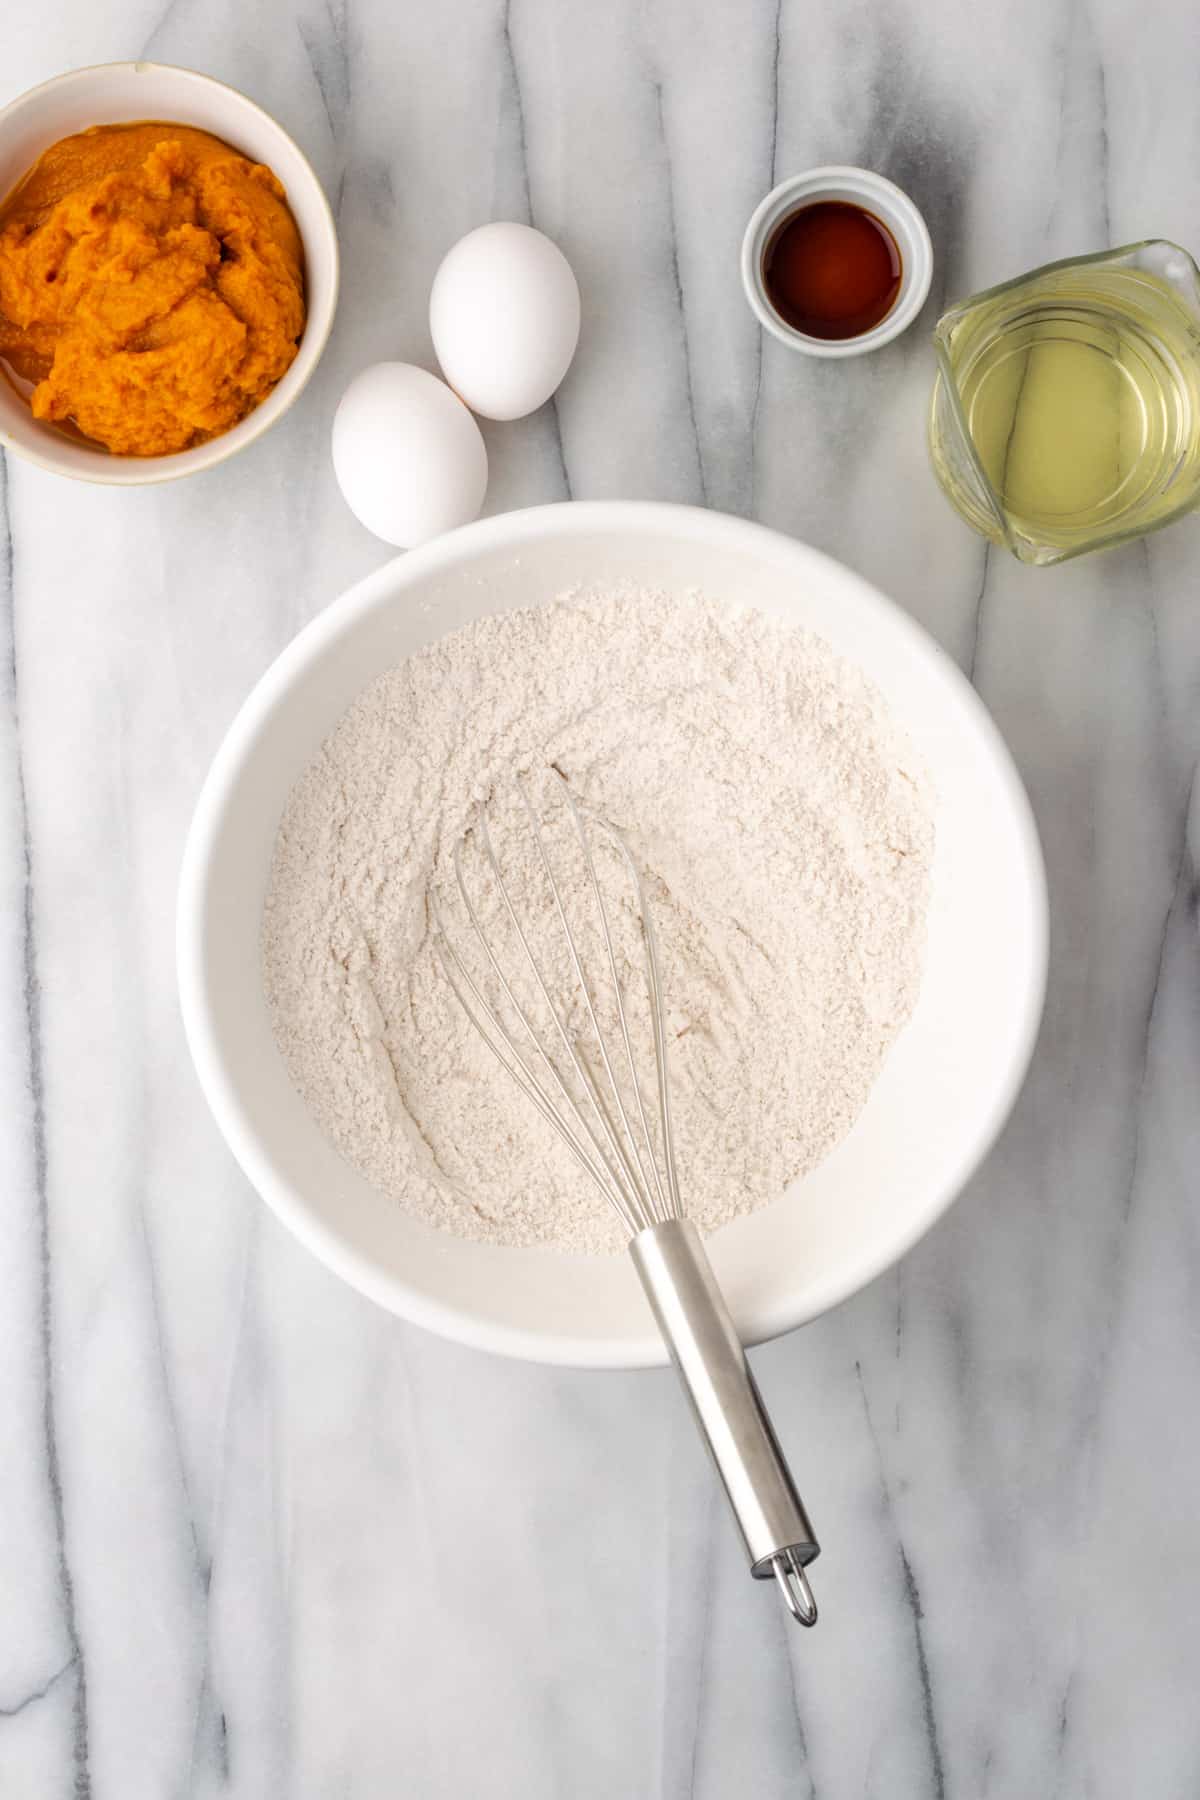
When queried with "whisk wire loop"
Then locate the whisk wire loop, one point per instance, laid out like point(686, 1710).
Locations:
point(459, 977)
point(623, 1142)
point(662, 1211)
point(671, 1202)
point(606, 1145)
point(622, 1185)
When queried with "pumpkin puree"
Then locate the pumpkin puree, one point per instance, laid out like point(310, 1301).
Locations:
point(151, 285)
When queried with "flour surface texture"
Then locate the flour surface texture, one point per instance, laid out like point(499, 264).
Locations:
point(785, 833)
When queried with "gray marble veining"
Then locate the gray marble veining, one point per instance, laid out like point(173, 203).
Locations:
point(255, 1536)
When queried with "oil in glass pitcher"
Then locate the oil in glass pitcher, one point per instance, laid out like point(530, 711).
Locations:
point(1066, 410)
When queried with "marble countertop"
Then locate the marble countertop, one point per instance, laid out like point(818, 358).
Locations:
point(257, 1537)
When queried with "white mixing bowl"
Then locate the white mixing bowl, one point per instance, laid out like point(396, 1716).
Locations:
point(945, 1090)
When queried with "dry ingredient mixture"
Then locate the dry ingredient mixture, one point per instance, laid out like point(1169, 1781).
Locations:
point(785, 833)
point(151, 285)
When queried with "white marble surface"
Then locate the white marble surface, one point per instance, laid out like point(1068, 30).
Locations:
point(258, 1538)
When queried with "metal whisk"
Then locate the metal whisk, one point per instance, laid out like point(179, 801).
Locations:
point(555, 1049)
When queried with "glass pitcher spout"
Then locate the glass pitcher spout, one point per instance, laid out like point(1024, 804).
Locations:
point(1065, 414)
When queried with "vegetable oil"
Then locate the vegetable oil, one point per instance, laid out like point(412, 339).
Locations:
point(1067, 409)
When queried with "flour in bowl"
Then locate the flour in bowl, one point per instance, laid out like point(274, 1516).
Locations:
point(785, 832)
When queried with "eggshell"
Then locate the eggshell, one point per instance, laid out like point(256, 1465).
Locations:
point(408, 456)
point(504, 313)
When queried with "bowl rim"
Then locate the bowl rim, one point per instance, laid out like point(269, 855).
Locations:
point(134, 471)
point(631, 1350)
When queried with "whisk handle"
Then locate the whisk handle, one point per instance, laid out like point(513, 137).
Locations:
point(706, 1350)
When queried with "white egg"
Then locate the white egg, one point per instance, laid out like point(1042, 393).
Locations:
point(504, 313)
point(407, 454)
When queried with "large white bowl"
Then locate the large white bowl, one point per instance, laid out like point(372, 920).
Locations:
point(120, 94)
point(945, 1089)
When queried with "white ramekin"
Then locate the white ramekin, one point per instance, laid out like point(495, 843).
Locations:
point(861, 187)
point(119, 93)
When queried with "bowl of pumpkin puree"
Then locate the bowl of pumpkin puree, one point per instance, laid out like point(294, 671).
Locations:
point(168, 273)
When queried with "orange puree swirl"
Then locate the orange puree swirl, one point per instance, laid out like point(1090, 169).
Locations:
point(151, 286)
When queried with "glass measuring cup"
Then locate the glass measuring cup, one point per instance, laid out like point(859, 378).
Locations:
point(1066, 410)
